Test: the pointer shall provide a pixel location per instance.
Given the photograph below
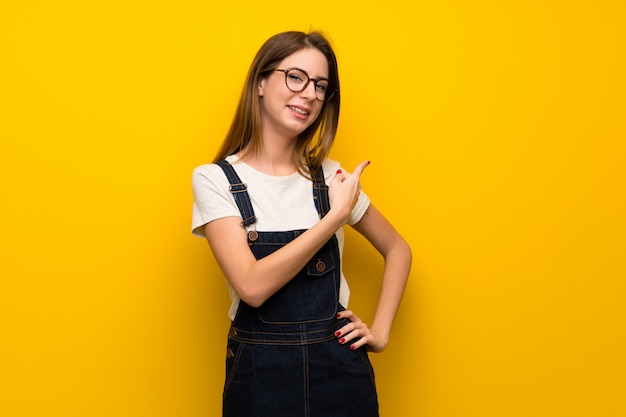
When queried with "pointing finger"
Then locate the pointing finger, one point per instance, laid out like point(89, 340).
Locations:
point(359, 168)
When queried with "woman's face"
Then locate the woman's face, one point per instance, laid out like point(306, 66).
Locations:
point(289, 113)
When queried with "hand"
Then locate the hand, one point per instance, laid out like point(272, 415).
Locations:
point(356, 329)
point(344, 189)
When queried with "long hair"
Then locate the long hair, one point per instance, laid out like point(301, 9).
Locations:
point(244, 132)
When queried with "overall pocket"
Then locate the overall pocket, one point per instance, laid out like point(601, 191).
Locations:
point(310, 296)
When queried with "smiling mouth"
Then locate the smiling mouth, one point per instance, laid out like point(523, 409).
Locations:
point(299, 110)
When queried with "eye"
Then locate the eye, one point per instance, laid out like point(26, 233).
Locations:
point(296, 76)
point(321, 87)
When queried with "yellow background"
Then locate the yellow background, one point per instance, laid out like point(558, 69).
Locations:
point(497, 134)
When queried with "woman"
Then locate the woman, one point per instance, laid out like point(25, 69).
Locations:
point(272, 206)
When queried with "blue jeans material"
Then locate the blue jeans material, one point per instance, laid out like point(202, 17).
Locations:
point(283, 359)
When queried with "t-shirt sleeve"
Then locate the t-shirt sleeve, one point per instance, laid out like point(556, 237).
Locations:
point(211, 198)
point(361, 206)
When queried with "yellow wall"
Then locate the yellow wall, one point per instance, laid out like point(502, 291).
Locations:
point(497, 136)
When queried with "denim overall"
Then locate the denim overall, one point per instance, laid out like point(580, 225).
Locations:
point(283, 359)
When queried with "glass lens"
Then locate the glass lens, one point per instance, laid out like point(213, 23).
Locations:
point(321, 89)
point(296, 80)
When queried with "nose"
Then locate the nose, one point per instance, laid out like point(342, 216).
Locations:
point(309, 91)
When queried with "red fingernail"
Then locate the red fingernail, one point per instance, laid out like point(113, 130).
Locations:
point(338, 171)
point(352, 347)
point(338, 315)
point(337, 333)
point(342, 341)
point(369, 162)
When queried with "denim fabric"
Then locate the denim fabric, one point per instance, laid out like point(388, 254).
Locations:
point(283, 359)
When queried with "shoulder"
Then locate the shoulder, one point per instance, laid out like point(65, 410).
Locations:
point(206, 172)
point(209, 178)
point(211, 172)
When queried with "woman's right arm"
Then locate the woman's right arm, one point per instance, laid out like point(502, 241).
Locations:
point(257, 280)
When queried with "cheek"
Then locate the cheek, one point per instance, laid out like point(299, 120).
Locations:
point(318, 112)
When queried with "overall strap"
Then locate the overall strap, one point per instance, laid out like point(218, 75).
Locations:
point(240, 193)
point(320, 192)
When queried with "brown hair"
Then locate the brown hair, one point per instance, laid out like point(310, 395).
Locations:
point(244, 133)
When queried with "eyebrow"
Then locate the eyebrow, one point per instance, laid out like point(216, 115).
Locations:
point(313, 78)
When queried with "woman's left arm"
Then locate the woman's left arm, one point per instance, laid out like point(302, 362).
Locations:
point(397, 254)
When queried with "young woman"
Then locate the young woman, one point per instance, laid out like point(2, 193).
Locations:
point(272, 206)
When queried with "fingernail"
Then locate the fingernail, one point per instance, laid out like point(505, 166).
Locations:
point(369, 162)
point(352, 347)
point(342, 341)
point(337, 333)
point(338, 315)
point(338, 171)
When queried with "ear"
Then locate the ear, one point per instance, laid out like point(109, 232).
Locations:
point(260, 86)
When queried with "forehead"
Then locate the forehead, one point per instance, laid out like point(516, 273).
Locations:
point(309, 59)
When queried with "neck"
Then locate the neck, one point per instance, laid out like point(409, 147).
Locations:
point(275, 157)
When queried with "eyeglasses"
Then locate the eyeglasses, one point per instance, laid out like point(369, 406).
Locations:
point(297, 80)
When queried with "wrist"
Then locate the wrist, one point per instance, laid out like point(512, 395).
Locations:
point(337, 218)
point(381, 336)
point(341, 216)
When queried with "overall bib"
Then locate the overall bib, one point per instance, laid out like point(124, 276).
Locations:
point(283, 359)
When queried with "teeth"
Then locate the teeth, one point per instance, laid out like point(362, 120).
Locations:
point(298, 110)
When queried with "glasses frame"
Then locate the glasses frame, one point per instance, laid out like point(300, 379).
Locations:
point(306, 84)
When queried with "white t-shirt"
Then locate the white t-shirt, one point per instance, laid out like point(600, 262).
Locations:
point(280, 203)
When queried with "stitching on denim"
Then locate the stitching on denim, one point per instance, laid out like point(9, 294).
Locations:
point(320, 193)
point(329, 330)
point(272, 342)
point(238, 190)
point(238, 355)
point(305, 364)
point(368, 365)
point(329, 250)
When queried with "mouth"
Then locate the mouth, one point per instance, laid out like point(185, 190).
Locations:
point(299, 110)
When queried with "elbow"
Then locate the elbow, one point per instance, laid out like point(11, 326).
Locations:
point(253, 302)
point(407, 254)
point(251, 287)
point(401, 254)
point(251, 296)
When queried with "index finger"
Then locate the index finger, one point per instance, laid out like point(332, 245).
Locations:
point(359, 168)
